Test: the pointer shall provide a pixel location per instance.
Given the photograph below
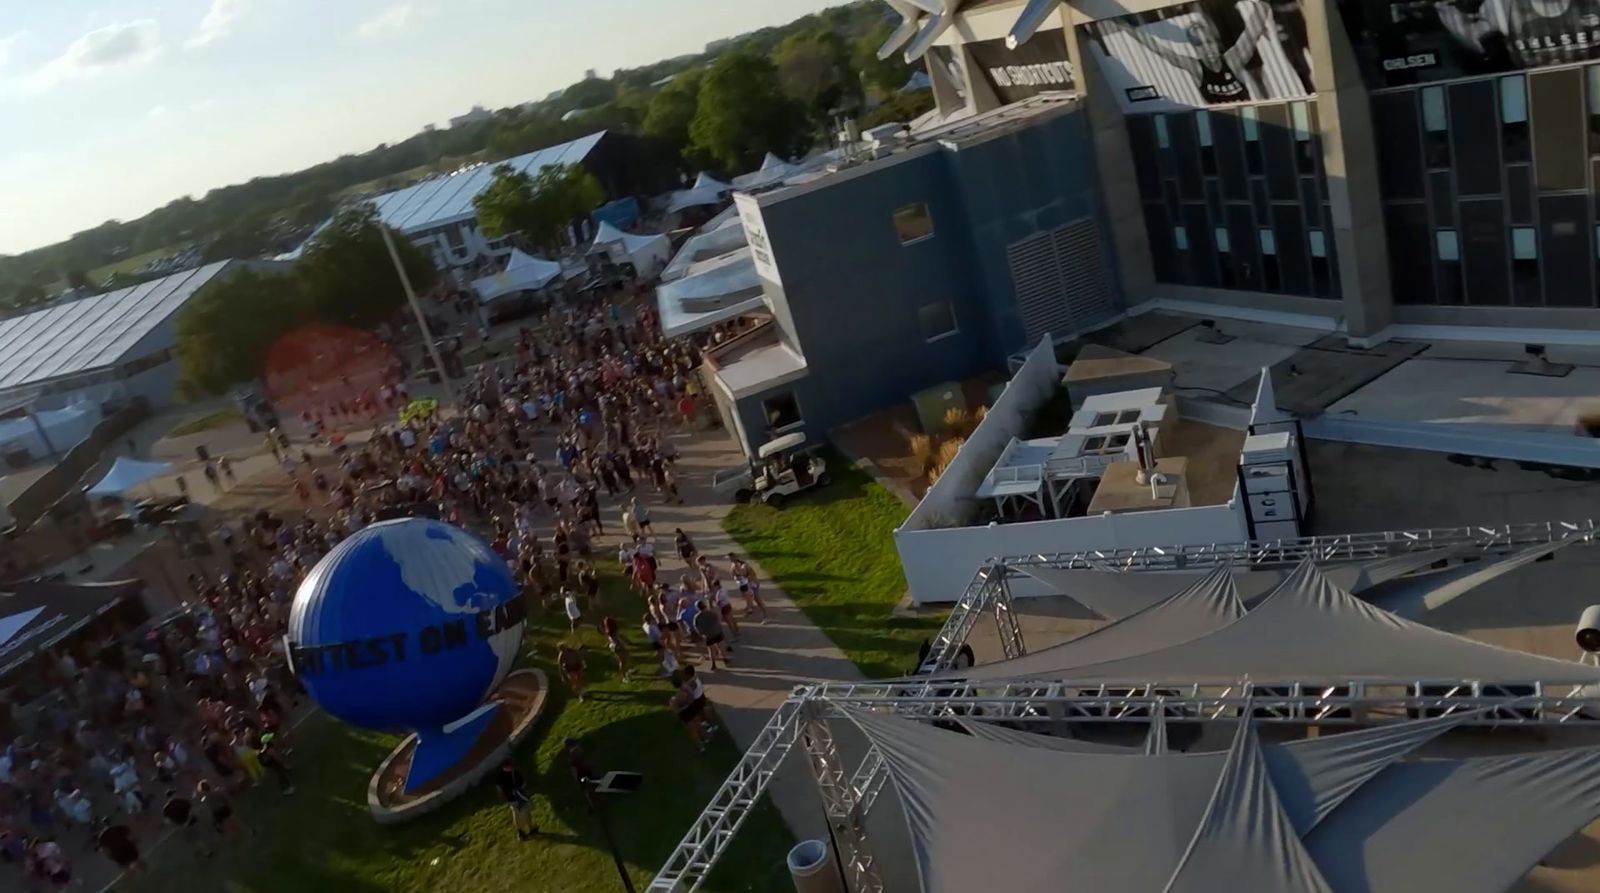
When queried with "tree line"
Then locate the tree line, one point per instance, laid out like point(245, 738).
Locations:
point(775, 89)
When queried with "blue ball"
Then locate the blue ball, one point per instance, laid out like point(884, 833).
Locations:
point(408, 624)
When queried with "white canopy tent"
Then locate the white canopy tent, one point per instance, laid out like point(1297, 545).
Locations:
point(523, 272)
point(48, 430)
point(771, 171)
point(647, 253)
point(705, 245)
point(707, 190)
point(125, 474)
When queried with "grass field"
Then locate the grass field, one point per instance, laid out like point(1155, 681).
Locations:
point(322, 837)
point(207, 421)
point(832, 551)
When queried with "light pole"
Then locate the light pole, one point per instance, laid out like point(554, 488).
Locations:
point(416, 308)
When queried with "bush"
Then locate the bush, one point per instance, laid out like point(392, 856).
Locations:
point(947, 454)
point(921, 452)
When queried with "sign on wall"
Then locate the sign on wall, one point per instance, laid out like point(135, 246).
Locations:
point(1416, 42)
point(1039, 66)
point(1198, 54)
point(755, 230)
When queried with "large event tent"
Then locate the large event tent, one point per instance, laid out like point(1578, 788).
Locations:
point(771, 171)
point(1307, 629)
point(707, 190)
point(523, 272)
point(647, 253)
point(1349, 812)
point(125, 474)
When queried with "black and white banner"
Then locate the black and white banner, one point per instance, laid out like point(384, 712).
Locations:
point(1416, 42)
point(1039, 66)
point(1208, 53)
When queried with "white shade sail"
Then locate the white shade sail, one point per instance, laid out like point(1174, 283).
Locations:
point(125, 474)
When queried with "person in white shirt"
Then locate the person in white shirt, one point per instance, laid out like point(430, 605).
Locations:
point(574, 612)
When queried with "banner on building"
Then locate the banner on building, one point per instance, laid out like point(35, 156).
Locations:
point(1416, 42)
point(1039, 66)
point(1199, 54)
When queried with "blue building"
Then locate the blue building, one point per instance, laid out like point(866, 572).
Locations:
point(935, 260)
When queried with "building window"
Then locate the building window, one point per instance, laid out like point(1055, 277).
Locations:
point(1304, 149)
point(938, 321)
point(1514, 117)
point(1208, 153)
point(1180, 238)
point(1592, 75)
point(1224, 258)
point(913, 223)
point(1448, 248)
point(1321, 274)
point(1163, 139)
point(1435, 128)
point(1253, 158)
point(782, 413)
point(1269, 260)
point(1524, 265)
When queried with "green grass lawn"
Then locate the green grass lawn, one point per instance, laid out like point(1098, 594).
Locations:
point(832, 550)
point(208, 421)
point(322, 838)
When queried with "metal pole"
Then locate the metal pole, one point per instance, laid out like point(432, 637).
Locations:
point(599, 813)
point(416, 308)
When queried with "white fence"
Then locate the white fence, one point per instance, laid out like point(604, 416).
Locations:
point(940, 562)
point(950, 500)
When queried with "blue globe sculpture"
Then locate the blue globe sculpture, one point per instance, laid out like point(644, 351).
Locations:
point(409, 624)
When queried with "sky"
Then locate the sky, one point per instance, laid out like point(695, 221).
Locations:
point(112, 108)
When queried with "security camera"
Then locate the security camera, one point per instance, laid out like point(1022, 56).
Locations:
point(1588, 633)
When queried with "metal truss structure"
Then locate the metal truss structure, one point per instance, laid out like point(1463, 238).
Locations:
point(848, 795)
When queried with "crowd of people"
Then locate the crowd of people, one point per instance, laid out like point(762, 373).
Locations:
point(571, 424)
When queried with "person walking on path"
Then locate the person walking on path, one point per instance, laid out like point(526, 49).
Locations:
point(116, 841)
point(619, 649)
point(685, 546)
point(513, 789)
point(749, 586)
point(708, 623)
point(570, 661)
point(641, 514)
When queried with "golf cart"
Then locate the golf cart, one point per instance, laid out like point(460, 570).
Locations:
point(784, 467)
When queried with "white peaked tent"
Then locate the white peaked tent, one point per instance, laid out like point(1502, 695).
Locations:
point(125, 474)
point(523, 272)
point(1310, 630)
point(707, 190)
point(1113, 594)
point(705, 245)
point(647, 253)
point(771, 171)
point(1346, 813)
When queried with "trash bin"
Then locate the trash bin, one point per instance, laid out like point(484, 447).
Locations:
point(813, 868)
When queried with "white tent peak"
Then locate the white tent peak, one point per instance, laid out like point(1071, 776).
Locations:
point(706, 181)
point(125, 474)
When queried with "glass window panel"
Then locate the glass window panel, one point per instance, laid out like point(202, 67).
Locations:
point(1319, 243)
point(1252, 127)
point(1301, 116)
point(1222, 238)
point(1202, 123)
point(1513, 99)
point(1524, 246)
point(1162, 138)
point(1269, 243)
point(913, 223)
point(1449, 245)
point(1180, 237)
point(1433, 118)
point(1592, 75)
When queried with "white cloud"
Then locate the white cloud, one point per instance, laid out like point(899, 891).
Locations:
point(8, 46)
point(388, 23)
point(219, 22)
point(111, 46)
point(158, 111)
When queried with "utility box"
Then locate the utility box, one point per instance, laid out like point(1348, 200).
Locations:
point(1272, 482)
point(933, 403)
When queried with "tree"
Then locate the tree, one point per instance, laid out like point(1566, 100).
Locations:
point(588, 93)
point(224, 332)
point(672, 109)
point(348, 276)
point(742, 114)
point(814, 67)
point(885, 76)
point(901, 108)
point(540, 207)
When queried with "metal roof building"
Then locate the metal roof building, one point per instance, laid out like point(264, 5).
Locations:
point(445, 200)
point(104, 338)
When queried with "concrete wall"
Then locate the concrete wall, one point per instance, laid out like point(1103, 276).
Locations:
point(950, 500)
point(939, 563)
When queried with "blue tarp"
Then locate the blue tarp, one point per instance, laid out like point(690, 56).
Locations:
point(619, 213)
